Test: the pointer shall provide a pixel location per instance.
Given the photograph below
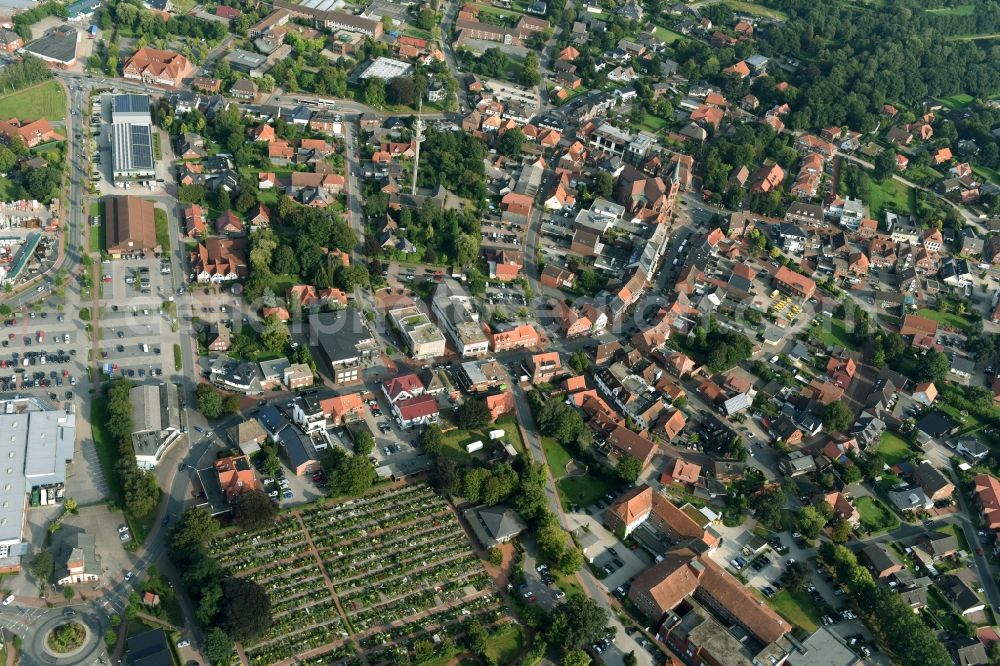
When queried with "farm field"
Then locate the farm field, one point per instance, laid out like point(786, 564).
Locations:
point(44, 100)
point(380, 572)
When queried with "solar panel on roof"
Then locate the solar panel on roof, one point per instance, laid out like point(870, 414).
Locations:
point(129, 103)
point(142, 146)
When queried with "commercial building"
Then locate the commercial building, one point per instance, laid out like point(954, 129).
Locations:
point(36, 447)
point(78, 561)
point(157, 68)
point(344, 341)
point(387, 69)
point(324, 14)
point(156, 419)
point(131, 138)
point(452, 305)
point(253, 64)
point(130, 225)
point(424, 339)
point(56, 47)
point(794, 283)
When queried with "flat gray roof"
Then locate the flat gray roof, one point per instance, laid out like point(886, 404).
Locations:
point(57, 45)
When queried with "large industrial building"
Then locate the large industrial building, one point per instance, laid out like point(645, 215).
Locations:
point(36, 472)
point(131, 138)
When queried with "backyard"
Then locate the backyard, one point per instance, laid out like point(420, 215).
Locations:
point(833, 332)
point(584, 490)
point(875, 517)
point(454, 441)
point(668, 36)
point(893, 448)
point(45, 100)
point(338, 573)
point(890, 195)
point(798, 608)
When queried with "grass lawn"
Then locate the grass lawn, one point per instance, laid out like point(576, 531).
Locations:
point(985, 173)
point(890, 195)
point(956, 321)
point(97, 233)
point(162, 230)
point(504, 645)
point(957, 101)
point(45, 100)
point(875, 516)
point(833, 331)
point(283, 282)
point(796, 607)
point(178, 359)
point(583, 490)
point(755, 9)
point(455, 440)
point(668, 36)
point(892, 448)
point(957, 10)
point(557, 456)
point(967, 422)
point(653, 123)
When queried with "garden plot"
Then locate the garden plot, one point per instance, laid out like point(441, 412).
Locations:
point(380, 572)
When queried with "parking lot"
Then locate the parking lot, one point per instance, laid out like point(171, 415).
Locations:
point(136, 330)
point(41, 350)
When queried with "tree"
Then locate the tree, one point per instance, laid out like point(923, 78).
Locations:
point(473, 414)
point(628, 469)
point(352, 475)
point(510, 142)
point(841, 531)
point(837, 417)
point(768, 505)
point(402, 90)
point(194, 529)
point(426, 19)
point(810, 522)
point(142, 493)
point(630, 659)
point(218, 646)
point(932, 366)
point(885, 165)
point(41, 567)
point(576, 658)
point(431, 440)
point(209, 401)
point(579, 361)
point(604, 184)
point(373, 93)
point(576, 623)
point(799, 574)
point(245, 611)
point(230, 404)
point(253, 510)
point(364, 443)
point(284, 261)
point(496, 556)
point(275, 335)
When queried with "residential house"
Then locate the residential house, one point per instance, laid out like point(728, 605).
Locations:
point(881, 561)
point(420, 410)
point(236, 476)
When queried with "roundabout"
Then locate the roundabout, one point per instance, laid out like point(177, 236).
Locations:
point(67, 639)
point(58, 640)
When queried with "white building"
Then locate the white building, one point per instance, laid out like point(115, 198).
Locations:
point(156, 419)
point(454, 309)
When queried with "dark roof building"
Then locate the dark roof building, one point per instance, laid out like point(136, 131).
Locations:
point(495, 525)
point(148, 649)
point(130, 224)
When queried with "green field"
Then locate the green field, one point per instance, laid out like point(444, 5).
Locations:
point(455, 440)
point(957, 101)
point(832, 332)
point(798, 608)
point(8, 190)
point(890, 195)
point(892, 448)
point(557, 456)
point(97, 233)
point(755, 9)
point(653, 124)
point(874, 515)
point(986, 174)
point(162, 229)
point(668, 36)
point(45, 100)
point(583, 490)
point(957, 10)
point(505, 645)
point(958, 322)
